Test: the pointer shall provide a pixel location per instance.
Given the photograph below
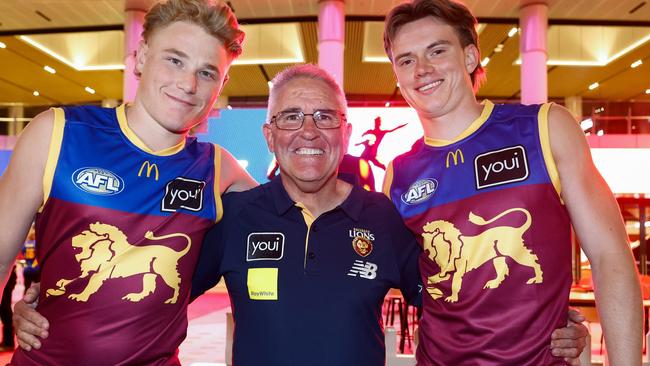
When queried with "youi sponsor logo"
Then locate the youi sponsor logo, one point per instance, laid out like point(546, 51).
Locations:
point(502, 166)
point(264, 246)
point(97, 181)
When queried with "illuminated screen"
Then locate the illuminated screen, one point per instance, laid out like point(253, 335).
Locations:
point(625, 170)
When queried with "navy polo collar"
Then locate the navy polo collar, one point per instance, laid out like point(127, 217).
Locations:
point(352, 205)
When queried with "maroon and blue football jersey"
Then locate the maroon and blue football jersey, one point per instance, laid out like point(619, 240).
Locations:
point(118, 239)
point(496, 265)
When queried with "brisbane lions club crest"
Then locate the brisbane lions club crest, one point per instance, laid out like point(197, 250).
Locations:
point(362, 241)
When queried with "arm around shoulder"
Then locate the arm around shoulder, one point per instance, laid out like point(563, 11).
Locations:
point(596, 218)
point(23, 178)
point(233, 178)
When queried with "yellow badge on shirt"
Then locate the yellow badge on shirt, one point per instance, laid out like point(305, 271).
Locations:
point(263, 283)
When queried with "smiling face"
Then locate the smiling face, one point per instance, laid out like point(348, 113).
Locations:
point(432, 68)
point(308, 157)
point(182, 72)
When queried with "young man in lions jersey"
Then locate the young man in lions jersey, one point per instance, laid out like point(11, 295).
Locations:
point(492, 191)
point(123, 198)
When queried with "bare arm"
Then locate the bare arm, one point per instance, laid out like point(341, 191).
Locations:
point(24, 179)
point(233, 177)
point(597, 221)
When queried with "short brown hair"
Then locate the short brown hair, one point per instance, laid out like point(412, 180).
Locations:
point(448, 11)
point(216, 18)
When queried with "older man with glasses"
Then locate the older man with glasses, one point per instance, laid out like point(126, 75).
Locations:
point(308, 257)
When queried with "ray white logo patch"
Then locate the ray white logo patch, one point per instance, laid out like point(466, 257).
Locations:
point(183, 193)
point(363, 269)
point(420, 191)
point(98, 181)
point(499, 167)
point(264, 246)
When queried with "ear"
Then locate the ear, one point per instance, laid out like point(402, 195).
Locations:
point(268, 136)
point(140, 58)
point(347, 131)
point(225, 81)
point(472, 56)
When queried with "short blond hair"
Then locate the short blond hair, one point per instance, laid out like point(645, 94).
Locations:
point(216, 18)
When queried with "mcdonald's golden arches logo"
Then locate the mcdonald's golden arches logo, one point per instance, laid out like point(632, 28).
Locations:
point(455, 154)
point(150, 167)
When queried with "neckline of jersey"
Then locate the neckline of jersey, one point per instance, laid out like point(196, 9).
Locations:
point(488, 107)
point(135, 140)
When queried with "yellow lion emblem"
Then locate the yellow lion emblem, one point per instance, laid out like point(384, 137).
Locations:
point(457, 253)
point(106, 253)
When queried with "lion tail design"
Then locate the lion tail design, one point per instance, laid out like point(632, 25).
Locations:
point(478, 220)
point(149, 235)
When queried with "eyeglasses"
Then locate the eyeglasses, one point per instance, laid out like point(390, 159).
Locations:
point(293, 120)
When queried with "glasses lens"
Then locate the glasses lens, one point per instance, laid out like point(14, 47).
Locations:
point(327, 119)
point(289, 120)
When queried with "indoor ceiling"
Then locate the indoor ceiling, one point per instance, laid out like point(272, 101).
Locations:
point(606, 35)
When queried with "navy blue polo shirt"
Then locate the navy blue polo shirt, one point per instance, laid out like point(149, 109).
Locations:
point(308, 294)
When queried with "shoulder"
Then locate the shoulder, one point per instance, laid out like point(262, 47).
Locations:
point(89, 114)
point(377, 204)
point(416, 148)
point(236, 202)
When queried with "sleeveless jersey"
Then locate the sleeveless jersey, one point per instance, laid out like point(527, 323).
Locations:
point(496, 236)
point(119, 236)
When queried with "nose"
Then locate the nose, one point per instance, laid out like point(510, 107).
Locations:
point(187, 82)
point(423, 67)
point(309, 128)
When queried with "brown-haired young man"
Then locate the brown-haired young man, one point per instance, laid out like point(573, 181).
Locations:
point(123, 198)
point(492, 192)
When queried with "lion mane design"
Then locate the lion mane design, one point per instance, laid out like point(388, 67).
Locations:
point(457, 254)
point(104, 253)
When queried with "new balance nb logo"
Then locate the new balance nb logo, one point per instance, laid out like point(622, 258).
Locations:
point(363, 269)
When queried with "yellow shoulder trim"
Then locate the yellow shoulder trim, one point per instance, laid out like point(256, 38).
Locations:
point(388, 180)
point(545, 142)
point(128, 132)
point(217, 183)
point(488, 107)
point(53, 153)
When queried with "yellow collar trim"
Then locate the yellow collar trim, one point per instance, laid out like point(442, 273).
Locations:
point(488, 106)
point(128, 132)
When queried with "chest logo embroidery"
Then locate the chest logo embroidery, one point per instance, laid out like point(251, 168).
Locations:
point(420, 191)
point(264, 246)
point(455, 155)
point(499, 167)
point(362, 241)
point(183, 193)
point(98, 181)
point(149, 168)
point(363, 269)
point(104, 252)
point(456, 254)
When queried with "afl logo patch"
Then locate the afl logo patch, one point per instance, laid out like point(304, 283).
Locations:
point(420, 191)
point(98, 181)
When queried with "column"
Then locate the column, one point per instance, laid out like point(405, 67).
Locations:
point(574, 105)
point(17, 112)
point(134, 12)
point(533, 21)
point(331, 37)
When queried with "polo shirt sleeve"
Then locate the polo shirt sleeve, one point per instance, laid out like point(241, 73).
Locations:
point(208, 269)
point(407, 251)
